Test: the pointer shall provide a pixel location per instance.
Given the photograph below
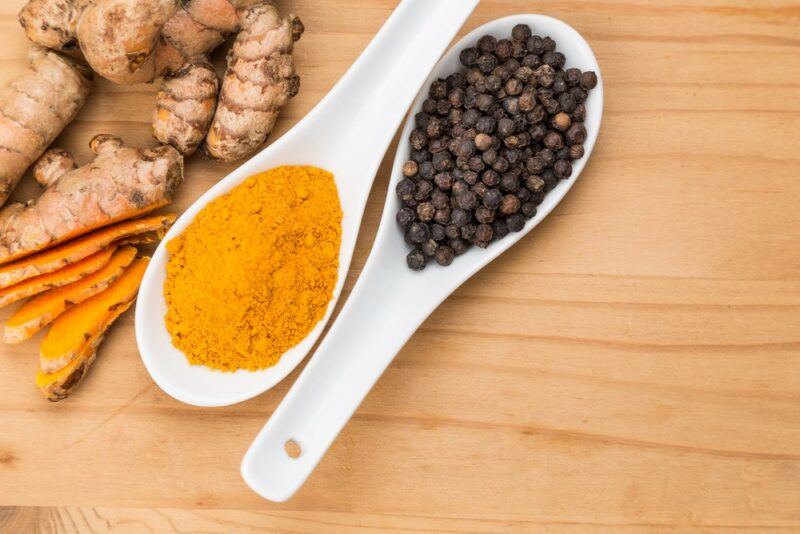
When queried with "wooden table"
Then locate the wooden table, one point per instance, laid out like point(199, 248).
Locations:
point(633, 365)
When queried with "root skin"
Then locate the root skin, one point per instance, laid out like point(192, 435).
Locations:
point(54, 163)
point(185, 105)
point(34, 109)
point(259, 80)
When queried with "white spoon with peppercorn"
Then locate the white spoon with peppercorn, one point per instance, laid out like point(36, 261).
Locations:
point(347, 134)
point(491, 187)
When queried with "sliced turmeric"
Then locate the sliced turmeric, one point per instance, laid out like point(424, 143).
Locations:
point(57, 386)
point(62, 277)
point(63, 255)
point(43, 309)
point(75, 328)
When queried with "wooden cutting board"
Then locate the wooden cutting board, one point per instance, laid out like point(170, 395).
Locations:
point(633, 364)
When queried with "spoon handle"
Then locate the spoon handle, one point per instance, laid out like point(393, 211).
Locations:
point(367, 334)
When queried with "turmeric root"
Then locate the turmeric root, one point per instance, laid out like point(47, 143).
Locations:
point(185, 106)
point(57, 386)
point(53, 164)
point(68, 253)
point(59, 278)
point(34, 109)
point(74, 329)
point(121, 183)
point(260, 79)
point(43, 309)
point(130, 41)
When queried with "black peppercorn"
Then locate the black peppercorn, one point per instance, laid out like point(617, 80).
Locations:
point(438, 89)
point(545, 75)
point(483, 235)
point(459, 187)
point(492, 199)
point(444, 255)
point(425, 211)
point(513, 86)
point(576, 135)
point(483, 142)
point(443, 162)
point(509, 182)
point(518, 49)
point(493, 83)
point(460, 217)
point(579, 114)
point(521, 32)
point(528, 209)
point(443, 180)
point(588, 80)
point(486, 125)
point(484, 215)
point(561, 121)
point(510, 204)
point(550, 180)
point(418, 232)
point(515, 222)
point(459, 246)
point(405, 217)
point(429, 247)
point(456, 97)
point(487, 44)
point(487, 62)
point(500, 229)
point(470, 117)
point(410, 168)
point(469, 57)
point(419, 156)
point(480, 189)
point(441, 216)
point(562, 168)
point(578, 93)
point(503, 49)
point(500, 165)
point(476, 164)
point(416, 260)
point(576, 151)
point(467, 231)
point(451, 231)
point(423, 190)
point(435, 128)
point(437, 232)
point(534, 183)
point(523, 194)
point(405, 189)
point(552, 140)
point(467, 200)
point(548, 44)
point(417, 138)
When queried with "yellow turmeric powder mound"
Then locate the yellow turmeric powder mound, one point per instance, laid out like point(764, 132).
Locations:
point(254, 272)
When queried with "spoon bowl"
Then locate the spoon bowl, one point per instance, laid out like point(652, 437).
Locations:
point(389, 301)
point(347, 133)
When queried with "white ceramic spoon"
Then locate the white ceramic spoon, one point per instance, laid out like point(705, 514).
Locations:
point(347, 133)
point(389, 301)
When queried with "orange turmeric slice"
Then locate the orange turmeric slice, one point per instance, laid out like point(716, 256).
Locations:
point(62, 277)
point(76, 327)
point(57, 386)
point(43, 309)
point(72, 251)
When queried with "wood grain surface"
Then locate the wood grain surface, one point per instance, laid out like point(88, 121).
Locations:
point(632, 365)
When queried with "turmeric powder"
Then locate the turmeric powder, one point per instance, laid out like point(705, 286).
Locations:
point(255, 271)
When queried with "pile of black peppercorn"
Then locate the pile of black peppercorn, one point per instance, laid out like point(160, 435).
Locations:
point(489, 143)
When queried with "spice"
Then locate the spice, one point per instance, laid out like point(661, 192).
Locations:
point(489, 143)
point(253, 274)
